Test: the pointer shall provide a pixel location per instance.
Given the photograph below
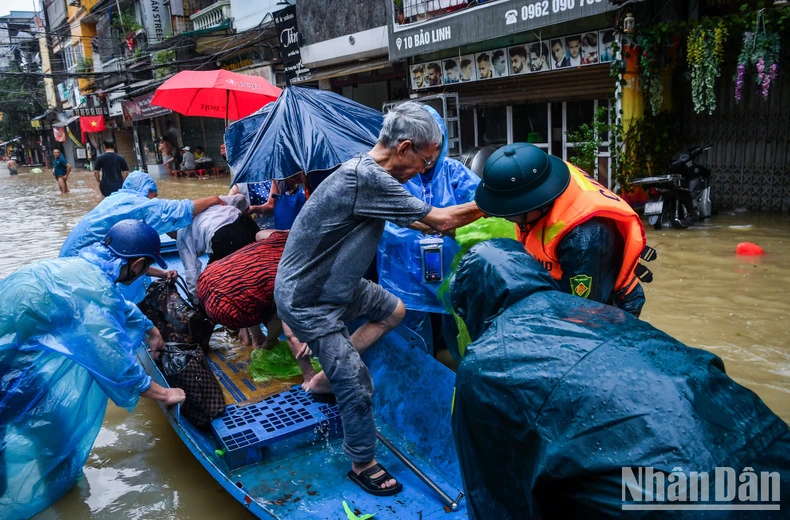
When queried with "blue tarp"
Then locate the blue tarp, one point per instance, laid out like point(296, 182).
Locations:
point(557, 394)
point(304, 130)
point(67, 342)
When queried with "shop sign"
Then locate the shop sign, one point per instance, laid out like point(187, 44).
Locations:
point(156, 20)
point(481, 23)
point(93, 111)
point(115, 104)
point(141, 108)
point(285, 21)
point(561, 52)
point(244, 60)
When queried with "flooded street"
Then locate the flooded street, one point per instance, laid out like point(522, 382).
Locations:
point(703, 294)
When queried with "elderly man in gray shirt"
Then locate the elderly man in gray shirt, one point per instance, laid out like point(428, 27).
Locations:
point(320, 285)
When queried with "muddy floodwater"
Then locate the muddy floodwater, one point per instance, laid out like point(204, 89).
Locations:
point(703, 294)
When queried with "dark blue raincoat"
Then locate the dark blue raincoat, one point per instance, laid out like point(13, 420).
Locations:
point(557, 394)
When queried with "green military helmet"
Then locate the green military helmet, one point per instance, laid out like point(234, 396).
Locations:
point(519, 178)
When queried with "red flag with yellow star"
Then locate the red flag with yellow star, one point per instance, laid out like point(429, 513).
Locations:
point(91, 123)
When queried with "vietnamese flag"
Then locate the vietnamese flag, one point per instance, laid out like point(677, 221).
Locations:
point(91, 123)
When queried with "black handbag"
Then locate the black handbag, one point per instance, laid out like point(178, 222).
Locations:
point(177, 319)
point(185, 366)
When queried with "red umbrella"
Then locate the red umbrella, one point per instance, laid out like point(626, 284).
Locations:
point(215, 93)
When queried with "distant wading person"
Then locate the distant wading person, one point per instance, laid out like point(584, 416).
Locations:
point(61, 169)
point(110, 170)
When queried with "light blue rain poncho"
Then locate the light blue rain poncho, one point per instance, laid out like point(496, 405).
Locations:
point(399, 261)
point(130, 202)
point(67, 342)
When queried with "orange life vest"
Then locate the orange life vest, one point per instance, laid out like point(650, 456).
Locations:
point(582, 200)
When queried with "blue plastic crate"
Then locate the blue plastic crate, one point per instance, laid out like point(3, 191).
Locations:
point(245, 431)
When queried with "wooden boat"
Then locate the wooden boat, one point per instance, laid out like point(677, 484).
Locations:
point(302, 474)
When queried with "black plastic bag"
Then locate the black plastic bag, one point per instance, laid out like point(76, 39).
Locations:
point(177, 319)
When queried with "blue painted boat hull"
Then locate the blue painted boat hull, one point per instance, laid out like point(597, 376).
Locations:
point(302, 477)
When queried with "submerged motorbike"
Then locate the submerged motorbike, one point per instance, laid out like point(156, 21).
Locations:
point(681, 197)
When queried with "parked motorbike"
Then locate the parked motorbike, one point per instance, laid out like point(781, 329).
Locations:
point(681, 197)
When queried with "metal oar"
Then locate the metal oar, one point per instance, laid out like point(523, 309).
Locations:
point(449, 502)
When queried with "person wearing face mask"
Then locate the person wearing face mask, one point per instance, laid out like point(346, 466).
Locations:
point(67, 342)
point(588, 238)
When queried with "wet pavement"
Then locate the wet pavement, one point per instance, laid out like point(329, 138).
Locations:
point(704, 295)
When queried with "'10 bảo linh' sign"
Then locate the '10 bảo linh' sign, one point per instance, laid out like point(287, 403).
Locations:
point(484, 22)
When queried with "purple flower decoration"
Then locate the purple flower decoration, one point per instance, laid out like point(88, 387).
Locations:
point(739, 81)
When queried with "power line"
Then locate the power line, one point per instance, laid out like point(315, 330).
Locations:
point(87, 75)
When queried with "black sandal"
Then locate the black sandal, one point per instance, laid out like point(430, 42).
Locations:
point(373, 485)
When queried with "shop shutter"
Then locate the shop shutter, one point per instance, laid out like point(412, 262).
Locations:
point(124, 145)
point(191, 132)
point(208, 133)
point(215, 136)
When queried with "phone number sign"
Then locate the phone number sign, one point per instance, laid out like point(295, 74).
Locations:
point(485, 22)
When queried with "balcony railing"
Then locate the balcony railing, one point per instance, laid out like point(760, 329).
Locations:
point(113, 65)
point(211, 16)
point(419, 10)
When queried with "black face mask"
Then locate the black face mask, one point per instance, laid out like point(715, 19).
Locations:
point(129, 277)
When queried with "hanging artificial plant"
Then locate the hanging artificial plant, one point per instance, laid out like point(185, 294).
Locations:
point(761, 49)
point(651, 61)
point(705, 55)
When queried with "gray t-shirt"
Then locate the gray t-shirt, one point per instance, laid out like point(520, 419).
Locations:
point(335, 237)
point(189, 161)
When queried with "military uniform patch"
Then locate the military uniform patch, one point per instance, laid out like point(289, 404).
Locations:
point(581, 285)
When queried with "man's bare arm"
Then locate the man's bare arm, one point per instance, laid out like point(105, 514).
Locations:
point(202, 205)
point(96, 174)
point(445, 220)
point(422, 228)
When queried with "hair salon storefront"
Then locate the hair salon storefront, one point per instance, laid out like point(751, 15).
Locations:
point(523, 71)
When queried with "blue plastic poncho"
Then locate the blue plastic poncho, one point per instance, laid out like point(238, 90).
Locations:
point(556, 394)
point(67, 341)
point(131, 201)
point(304, 130)
point(399, 261)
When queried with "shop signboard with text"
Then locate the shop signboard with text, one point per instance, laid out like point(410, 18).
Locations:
point(141, 108)
point(156, 20)
point(557, 53)
point(290, 52)
point(415, 34)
